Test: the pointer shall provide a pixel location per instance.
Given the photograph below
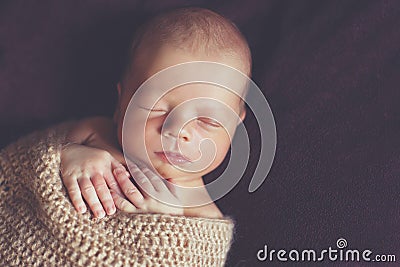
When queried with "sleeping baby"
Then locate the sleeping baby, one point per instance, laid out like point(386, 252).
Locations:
point(155, 144)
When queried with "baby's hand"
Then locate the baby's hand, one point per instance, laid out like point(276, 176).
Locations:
point(87, 172)
point(139, 201)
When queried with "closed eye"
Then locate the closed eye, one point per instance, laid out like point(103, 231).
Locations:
point(209, 122)
point(154, 109)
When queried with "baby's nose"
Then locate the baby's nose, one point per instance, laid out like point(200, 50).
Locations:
point(183, 134)
point(176, 128)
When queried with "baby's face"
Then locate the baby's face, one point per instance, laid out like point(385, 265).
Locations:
point(187, 132)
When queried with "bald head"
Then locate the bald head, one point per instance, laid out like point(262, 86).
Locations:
point(197, 31)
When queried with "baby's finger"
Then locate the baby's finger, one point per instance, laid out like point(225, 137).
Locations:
point(103, 193)
point(112, 182)
point(128, 188)
point(121, 203)
point(172, 188)
point(163, 191)
point(89, 194)
point(115, 164)
point(155, 180)
point(142, 180)
point(74, 193)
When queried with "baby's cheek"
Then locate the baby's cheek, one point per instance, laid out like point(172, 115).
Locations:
point(217, 143)
point(133, 139)
point(223, 145)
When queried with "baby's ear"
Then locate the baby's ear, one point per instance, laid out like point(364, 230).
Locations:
point(242, 114)
point(119, 90)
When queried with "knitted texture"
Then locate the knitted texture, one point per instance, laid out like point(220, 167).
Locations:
point(40, 227)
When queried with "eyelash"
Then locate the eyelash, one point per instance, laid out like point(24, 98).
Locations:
point(209, 122)
point(154, 110)
point(204, 120)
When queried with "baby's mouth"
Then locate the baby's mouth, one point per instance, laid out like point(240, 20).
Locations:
point(173, 157)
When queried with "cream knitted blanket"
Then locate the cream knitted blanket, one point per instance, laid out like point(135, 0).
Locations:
point(40, 227)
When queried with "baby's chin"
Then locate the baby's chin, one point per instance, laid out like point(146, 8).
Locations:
point(174, 174)
point(170, 172)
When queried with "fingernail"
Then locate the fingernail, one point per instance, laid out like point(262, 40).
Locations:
point(100, 214)
point(82, 209)
point(110, 210)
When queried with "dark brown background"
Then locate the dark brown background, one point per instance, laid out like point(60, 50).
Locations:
point(329, 69)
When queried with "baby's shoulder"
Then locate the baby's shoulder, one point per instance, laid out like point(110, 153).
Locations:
point(96, 123)
point(90, 128)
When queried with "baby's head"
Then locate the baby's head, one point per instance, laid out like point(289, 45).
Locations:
point(172, 143)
